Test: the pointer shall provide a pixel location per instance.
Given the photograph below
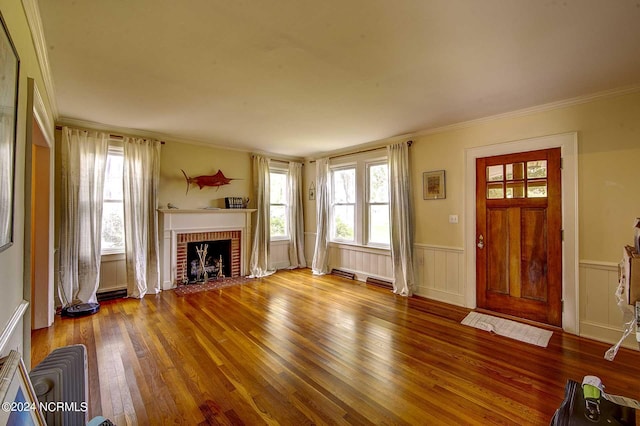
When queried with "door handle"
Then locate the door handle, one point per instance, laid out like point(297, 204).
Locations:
point(480, 242)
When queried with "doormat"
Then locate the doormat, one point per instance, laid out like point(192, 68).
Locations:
point(181, 290)
point(514, 330)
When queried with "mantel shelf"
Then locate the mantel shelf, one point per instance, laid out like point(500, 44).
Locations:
point(179, 211)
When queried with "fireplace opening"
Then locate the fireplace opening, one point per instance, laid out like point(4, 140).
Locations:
point(208, 260)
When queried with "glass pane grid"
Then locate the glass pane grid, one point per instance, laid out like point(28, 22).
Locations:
point(515, 171)
point(515, 189)
point(344, 186)
point(495, 173)
point(343, 222)
point(511, 181)
point(112, 226)
point(495, 190)
point(112, 235)
point(379, 224)
point(537, 188)
point(536, 169)
point(278, 188)
point(378, 183)
point(113, 177)
point(278, 220)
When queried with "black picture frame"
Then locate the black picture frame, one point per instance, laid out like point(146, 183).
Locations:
point(9, 79)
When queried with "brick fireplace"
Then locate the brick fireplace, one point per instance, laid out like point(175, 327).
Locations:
point(179, 227)
point(231, 259)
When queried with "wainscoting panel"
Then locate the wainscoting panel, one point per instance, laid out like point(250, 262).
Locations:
point(440, 273)
point(113, 273)
point(439, 270)
point(600, 317)
point(362, 261)
point(280, 254)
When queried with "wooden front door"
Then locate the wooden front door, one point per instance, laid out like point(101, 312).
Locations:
point(519, 235)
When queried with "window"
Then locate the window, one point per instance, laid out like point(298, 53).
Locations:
point(360, 202)
point(378, 203)
point(112, 207)
point(517, 180)
point(343, 212)
point(278, 209)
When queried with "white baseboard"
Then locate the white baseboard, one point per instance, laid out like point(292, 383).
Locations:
point(607, 334)
point(440, 296)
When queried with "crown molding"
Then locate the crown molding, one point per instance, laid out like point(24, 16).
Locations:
point(32, 12)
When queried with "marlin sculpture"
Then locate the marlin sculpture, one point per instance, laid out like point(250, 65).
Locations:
point(216, 180)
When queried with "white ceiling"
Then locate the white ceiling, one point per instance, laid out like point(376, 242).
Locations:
point(300, 77)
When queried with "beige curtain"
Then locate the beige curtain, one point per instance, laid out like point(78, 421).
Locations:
point(260, 252)
point(84, 157)
point(296, 220)
point(401, 218)
point(141, 174)
point(320, 265)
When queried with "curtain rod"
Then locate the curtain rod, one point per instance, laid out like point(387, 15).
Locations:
point(279, 160)
point(409, 143)
point(111, 135)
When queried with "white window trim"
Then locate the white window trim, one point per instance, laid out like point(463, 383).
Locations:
point(347, 166)
point(115, 148)
point(367, 204)
point(277, 168)
point(360, 162)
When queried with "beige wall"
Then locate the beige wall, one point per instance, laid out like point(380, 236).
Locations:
point(608, 171)
point(11, 260)
point(308, 176)
point(197, 160)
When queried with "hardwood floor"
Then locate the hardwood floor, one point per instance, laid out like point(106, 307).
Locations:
point(297, 349)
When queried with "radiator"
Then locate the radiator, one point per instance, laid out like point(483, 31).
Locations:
point(61, 384)
point(379, 282)
point(343, 274)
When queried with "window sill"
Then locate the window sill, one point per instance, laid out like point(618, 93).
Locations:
point(284, 240)
point(359, 247)
point(113, 256)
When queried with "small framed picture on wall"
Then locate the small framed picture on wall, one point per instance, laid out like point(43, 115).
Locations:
point(433, 185)
point(312, 191)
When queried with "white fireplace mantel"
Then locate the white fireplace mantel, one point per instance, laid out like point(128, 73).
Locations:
point(182, 221)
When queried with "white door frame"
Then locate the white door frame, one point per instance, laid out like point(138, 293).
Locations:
point(37, 113)
point(568, 143)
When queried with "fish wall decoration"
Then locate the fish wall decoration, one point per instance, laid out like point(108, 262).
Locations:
point(216, 180)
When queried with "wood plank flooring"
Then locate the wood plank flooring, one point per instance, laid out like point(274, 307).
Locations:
point(295, 349)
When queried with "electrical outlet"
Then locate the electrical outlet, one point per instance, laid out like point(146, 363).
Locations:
point(453, 218)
